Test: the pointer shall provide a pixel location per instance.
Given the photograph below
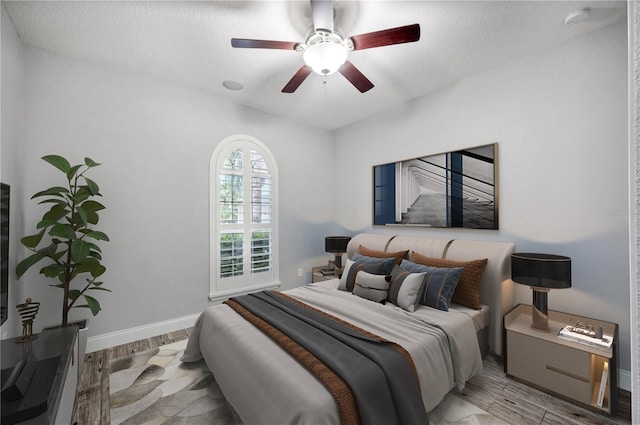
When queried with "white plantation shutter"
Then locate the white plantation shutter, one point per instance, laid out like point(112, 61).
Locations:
point(243, 200)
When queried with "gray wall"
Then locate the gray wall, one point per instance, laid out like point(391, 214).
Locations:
point(154, 141)
point(11, 153)
point(560, 118)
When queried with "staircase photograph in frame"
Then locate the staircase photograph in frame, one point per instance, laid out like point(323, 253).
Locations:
point(452, 189)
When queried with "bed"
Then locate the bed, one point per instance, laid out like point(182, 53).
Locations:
point(264, 384)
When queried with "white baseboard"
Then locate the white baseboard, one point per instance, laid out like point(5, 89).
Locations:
point(100, 342)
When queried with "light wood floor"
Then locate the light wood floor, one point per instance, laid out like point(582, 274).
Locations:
point(511, 401)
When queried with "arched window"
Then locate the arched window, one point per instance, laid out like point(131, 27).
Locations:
point(244, 218)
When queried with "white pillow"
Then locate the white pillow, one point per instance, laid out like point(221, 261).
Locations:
point(371, 286)
point(404, 288)
point(343, 277)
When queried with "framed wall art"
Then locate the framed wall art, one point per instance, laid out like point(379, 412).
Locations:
point(452, 189)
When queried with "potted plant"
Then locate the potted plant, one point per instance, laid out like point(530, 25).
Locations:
point(66, 237)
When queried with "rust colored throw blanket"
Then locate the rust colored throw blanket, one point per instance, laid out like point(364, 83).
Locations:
point(373, 380)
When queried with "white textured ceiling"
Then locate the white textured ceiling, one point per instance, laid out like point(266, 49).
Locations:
point(188, 43)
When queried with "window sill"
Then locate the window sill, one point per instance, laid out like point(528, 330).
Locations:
point(226, 294)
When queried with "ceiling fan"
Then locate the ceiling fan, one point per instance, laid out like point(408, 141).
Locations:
point(325, 51)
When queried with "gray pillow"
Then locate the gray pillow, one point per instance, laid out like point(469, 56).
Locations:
point(351, 268)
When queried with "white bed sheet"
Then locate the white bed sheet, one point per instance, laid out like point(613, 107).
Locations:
point(265, 385)
point(481, 318)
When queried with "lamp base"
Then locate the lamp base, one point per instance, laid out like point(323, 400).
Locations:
point(539, 310)
point(338, 261)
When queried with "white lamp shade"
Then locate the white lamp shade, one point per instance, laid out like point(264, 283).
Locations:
point(325, 58)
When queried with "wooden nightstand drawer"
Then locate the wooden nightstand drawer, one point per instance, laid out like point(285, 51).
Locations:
point(557, 368)
point(573, 370)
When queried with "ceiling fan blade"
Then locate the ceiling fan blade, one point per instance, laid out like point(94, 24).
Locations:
point(398, 35)
point(248, 43)
point(297, 79)
point(355, 77)
point(322, 14)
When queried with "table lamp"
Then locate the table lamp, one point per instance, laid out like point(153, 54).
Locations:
point(337, 245)
point(542, 272)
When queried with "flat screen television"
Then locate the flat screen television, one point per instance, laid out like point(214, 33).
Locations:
point(4, 248)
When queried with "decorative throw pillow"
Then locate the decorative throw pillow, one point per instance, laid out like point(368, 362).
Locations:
point(371, 286)
point(404, 288)
point(398, 255)
point(467, 292)
point(438, 287)
point(386, 263)
point(351, 268)
point(415, 268)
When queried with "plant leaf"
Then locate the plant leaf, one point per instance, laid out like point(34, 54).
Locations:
point(79, 250)
point(74, 294)
point(93, 246)
point(90, 162)
point(25, 264)
point(52, 253)
point(72, 171)
point(55, 213)
point(92, 186)
point(91, 205)
point(52, 191)
point(53, 201)
point(90, 265)
point(93, 304)
point(63, 231)
point(98, 271)
point(59, 162)
point(99, 288)
point(33, 240)
point(96, 235)
point(52, 270)
point(45, 223)
point(82, 214)
point(81, 194)
point(92, 208)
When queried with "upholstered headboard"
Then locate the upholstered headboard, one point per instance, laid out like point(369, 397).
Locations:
point(496, 287)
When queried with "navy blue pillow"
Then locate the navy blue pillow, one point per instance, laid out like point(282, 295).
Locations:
point(368, 264)
point(438, 287)
point(386, 264)
point(415, 268)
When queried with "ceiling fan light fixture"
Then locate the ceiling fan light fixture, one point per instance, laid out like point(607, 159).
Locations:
point(325, 58)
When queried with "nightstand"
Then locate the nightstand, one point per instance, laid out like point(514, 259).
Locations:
point(568, 369)
point(316, 276)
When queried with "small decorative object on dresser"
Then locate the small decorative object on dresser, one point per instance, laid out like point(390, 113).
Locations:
point(582, 372)
point(542, 272)
point(28, 311)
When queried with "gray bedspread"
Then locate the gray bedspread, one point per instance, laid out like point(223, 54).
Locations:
point(382, 380)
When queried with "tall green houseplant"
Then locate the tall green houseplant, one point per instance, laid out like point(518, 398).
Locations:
point(70, 248)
